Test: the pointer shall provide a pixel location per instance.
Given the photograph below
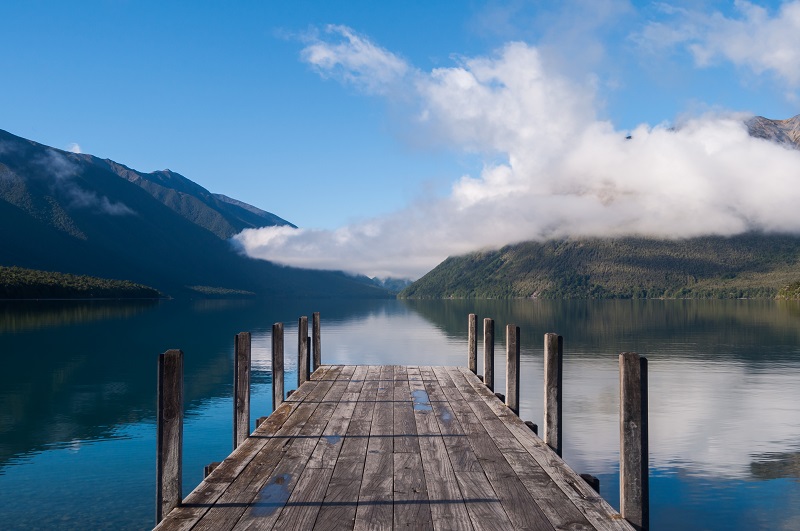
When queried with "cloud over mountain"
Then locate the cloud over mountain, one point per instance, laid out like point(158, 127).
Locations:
point(552, 168)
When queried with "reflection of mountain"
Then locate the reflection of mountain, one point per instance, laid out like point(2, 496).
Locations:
point(94, 367)
point(649, 326)
point(24, 316)
point(776, 465)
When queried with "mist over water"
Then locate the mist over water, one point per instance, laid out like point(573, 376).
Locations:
point(723, 395)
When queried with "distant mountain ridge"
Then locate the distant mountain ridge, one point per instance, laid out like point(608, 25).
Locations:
point(78, 214)
point(784, 132)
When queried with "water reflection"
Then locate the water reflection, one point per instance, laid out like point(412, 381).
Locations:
point(79, 389)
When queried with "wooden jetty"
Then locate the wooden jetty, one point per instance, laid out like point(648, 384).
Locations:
point(391, 447)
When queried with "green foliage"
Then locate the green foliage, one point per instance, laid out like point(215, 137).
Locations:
point(19, 283)
point(790, 292)
point(745, 266)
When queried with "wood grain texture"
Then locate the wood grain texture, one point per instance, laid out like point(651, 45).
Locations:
point(169, 437)
point(472, 343)
point(488, 353)
point(241, 388)
point(277, 365)
point(553, 368)
point(634, 489)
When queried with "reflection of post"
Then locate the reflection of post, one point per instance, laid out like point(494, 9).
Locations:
point(553, 365)
point(472, 343)
point(169, 436)
point(512, 368)
point(302, 350)
point(633, 452)
point(488, 353)
point(316, 340)
point(277, 365)
point(241, 389)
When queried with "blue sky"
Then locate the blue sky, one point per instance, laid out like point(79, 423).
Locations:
point(338, 116)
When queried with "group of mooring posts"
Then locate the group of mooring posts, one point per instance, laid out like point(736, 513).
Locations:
point(169, 439)
point(633, 465)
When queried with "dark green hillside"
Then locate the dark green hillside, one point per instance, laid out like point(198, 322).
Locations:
point(19, 283)
point(749, 265)
point(63, 212)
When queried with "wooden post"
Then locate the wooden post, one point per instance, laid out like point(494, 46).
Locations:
point(553, 366)
point(302, 350)
point(512, 368)
point(241, 388)
point(634, 483)
point(488, 353)
point(472, 343)
point(169, 435)
point(316, 340)
point(209, 468)
point(277, 365)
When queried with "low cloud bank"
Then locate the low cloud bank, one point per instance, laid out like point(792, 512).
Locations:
point(552, 169)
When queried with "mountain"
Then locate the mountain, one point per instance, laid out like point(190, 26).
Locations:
point(784, 132)
point(747, 265)
point(74, 213)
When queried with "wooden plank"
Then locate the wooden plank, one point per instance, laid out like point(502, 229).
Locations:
point(339, 506)
point(302, 350)
point(599, 513)
point(257, 482)
point(472, 343)
point(553, 368)
point(448, 510)
point(516, 501)
point(316, 344)
point(268, 498)
point(404, 427)
point(241, 388)
point(512, 368)
point(488, 353)
point(169, 435)
point(411, 506)
point(277, 366)
point(303, 505)
point(271, 433)
point(634, 490)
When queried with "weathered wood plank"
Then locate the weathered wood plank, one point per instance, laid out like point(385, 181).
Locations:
point(448, 510)
point(512, 368)
point(277, 366)
point(634, 488)
point(600, 515)
point(411, 506)
point(241, 388)
point(488, 353)
point(169, 437)
point(316, 341)
point(472, 343)
point(302, 350)
point(272, 432)
point(553, 368)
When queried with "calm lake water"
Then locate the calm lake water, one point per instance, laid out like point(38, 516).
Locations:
point(77, 395)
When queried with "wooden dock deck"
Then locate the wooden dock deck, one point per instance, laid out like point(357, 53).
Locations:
point(390, 447)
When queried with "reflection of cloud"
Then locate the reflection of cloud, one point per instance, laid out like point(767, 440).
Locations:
point(552, 168)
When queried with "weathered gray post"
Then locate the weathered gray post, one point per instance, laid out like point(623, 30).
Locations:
point(472, 343)
point(277, 365)
point(169, 435)
point(302, 350)
point(488, 353)
point(316, 340)
point(241, 388)
point(512, 368)
point(553, 366)
point(634, 483)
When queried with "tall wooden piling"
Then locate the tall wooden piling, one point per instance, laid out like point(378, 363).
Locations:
point(316, 341)
point(241, 388)
point(634, 481)
point(302, 350)
point(553, 367)
point(277, 365)
point(512, 368)
point(472, 343)
point(169, 437)
point(488, 353)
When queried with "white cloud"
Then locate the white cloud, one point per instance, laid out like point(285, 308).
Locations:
point(356, 60)
point(74, 148)
point(756, 40)
point(553, 170)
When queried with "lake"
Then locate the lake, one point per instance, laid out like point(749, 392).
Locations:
point(78, 394)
